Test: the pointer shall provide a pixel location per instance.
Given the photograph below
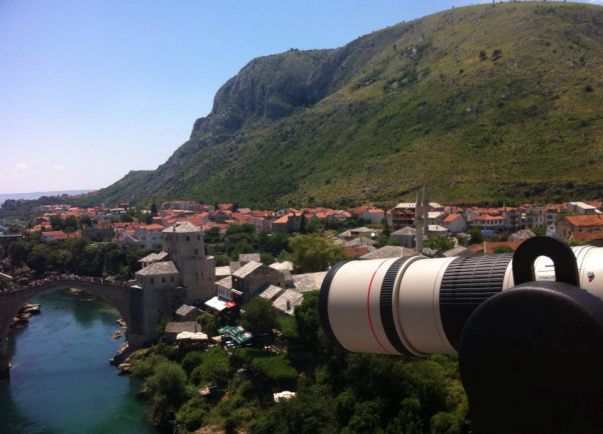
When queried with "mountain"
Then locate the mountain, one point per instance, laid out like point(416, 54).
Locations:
point(490, 103)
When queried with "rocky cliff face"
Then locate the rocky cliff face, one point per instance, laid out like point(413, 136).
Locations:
point(496, 102)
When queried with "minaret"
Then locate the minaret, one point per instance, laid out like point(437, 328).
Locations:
point(419, 224)
point(421, 217)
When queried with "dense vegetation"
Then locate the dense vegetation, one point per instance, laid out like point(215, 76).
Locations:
point(491, 102)
point(311, 251)
point(336, 391)
point(30, 258)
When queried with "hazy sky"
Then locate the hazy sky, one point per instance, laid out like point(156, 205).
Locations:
point(92, 89)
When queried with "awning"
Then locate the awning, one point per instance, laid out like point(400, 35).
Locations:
point(220, 304)
point(198, 336)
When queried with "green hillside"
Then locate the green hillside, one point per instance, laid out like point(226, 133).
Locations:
point(491, 103)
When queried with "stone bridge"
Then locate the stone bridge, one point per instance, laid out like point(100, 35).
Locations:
point(142, 310)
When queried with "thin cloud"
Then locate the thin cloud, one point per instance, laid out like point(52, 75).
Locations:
point(19, 169)
point(60, 168)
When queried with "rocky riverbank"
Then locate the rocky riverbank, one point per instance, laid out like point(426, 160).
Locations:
point(25, 313)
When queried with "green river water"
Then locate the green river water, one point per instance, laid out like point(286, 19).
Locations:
point(61, 381)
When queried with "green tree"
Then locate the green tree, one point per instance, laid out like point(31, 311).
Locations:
point(85, 221)
point(259, 316)
point(308, 322)
point(153, 209)
point(503, 249)
point(209, 323)
point(192, 360)
point(476, 235)
point(39, 258)
point(71, 224)
point(314, 252)
point(18, 251)
point(126, 218)
point(539, 231)
point(441, 244)
point(214, 368)
point(57, 223)
point(167, 390)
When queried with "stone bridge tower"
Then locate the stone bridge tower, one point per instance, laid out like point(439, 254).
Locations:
point(184, 243)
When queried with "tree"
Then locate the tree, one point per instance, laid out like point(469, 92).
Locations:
point(308, 322)
point(38, 258)
point(259, 316)
point(71, 224)
point(167, 389)
point(153, 209)
point(209, 323)
point(214, 368)
point(539, 230)
point(57, 223)
point(314, 252)
point(440, 244)
point(85, 221)
point(18, 252)
point(503, 249)
point(126, 218)
point(476, 235)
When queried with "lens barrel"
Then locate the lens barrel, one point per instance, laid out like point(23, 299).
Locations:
point(418, 306)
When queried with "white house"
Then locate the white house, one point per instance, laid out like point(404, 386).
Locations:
point(149, 235)
point(455, 223)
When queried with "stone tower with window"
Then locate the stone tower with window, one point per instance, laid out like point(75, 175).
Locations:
point(184, 244)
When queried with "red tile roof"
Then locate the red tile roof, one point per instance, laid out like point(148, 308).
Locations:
point(451, 217)
point(585, 220)
point(154, 226)
point(284, 219)
point(356, 251)
point(491, 246)
point(489, 217)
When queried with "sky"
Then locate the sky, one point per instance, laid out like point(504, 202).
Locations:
point(92, 89)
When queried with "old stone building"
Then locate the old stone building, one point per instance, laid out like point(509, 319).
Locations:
point(183, 264)
point(184, 244)
point(253, 277)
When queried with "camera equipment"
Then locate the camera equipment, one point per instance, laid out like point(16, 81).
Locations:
point(419, 306)
point(528, 328)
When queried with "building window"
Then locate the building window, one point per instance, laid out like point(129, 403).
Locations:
point(196, 251)
point(152, 281)
point(171, 279)
point(163, 280)
point(198, 237)
point(188, 238)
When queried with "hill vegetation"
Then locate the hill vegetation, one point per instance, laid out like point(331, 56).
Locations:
point(491, 103)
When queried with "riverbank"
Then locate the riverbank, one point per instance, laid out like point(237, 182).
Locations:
point(24, 315)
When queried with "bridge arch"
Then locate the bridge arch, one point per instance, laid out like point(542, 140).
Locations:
point(120, 297)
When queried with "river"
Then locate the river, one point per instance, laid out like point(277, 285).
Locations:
point(61, 381)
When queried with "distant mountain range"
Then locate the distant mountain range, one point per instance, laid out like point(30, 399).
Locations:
point(490, 103)
point(38, 194)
